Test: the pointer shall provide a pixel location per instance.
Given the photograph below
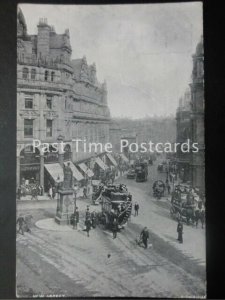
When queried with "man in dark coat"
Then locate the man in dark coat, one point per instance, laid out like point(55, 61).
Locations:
point(136, 208)
point(144, 237)
point(93, 219)
point(19, 192)
point(75, 218)
point(88, 225)
point(21, 222)
point(115, 228)
point(85, 192)
point(180, 231)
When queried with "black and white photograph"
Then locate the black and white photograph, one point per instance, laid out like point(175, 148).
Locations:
point(110, 158)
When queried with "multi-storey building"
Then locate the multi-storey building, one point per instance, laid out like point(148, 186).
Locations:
point(183, 119)
point(58, 99)
point(197, 117)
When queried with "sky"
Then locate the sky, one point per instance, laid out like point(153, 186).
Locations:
point(143, 51)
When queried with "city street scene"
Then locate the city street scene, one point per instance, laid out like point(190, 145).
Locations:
point(110, 151)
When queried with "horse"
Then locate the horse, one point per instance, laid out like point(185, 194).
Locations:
point(200, 215)
point(188, 212)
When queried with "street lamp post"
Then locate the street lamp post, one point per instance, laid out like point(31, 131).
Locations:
point(75, 189)
point(57, 181)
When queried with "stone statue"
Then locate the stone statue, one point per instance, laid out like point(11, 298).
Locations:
point(68, 177)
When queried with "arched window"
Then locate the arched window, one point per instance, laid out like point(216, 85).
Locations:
point(46, 75)
point(52, 76)
point(33, 74)
point(25, 73)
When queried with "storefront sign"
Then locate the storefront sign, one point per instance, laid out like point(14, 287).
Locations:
point(30, 168)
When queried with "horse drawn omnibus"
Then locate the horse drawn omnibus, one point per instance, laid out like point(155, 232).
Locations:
point(141, 170)
point(186, 206)
point(116, 204)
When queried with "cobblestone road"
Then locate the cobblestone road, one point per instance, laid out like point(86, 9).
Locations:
point(71, 264)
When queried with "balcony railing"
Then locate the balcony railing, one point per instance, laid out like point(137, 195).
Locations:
point(38, 62)
point(43, 84)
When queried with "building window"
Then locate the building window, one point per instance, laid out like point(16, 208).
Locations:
point(49, 102)
point(52, 76)
point(28, 102)
point(46, 75)
point(28, 128)
point(33, 74)
point(25, 73)
point(49, 128)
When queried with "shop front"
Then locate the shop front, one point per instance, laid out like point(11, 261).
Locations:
point(29, 169)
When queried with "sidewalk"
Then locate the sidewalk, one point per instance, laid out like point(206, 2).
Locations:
point(45, 197)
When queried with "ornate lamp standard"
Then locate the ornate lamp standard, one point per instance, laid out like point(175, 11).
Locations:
point(75, 190)
point(57, 183)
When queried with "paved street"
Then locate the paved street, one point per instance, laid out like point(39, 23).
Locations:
point(71, 264)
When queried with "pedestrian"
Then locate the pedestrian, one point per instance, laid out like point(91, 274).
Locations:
point(93, 219)
point(136, 208)
point(53, 192)
point(85, 192)
point(75, 218)
point(144, 236)
point(21, 223)
point(42, 190)
point(50, 192)
point(88, 225)
point(115, 228)
point(34, 192)
point(19, 192)
point(87, 214)
point(168, 186)
point(180, 231)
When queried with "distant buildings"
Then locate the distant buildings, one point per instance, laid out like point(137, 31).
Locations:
point(58, 99)
point(155, 129)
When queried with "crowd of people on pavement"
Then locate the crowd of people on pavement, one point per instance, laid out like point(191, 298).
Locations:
point(33, 189)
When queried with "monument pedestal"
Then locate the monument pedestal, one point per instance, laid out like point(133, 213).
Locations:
point(65, 207)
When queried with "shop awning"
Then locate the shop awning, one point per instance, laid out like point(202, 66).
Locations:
point(111, 158)
point(86, 170)
point(101, 163)
point(76, 174)
point(124, 157)
point(56, 171)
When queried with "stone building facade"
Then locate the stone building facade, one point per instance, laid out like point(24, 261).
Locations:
point(183, 122)
point(58, 99)
point(197, 117)
point(190, 125)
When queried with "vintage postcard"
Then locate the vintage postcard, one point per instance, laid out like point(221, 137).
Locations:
point(110, 151)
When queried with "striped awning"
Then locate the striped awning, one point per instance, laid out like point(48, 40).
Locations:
point(101, 163)
point(124, 157)
point(86, 170)
point(111, 158)
point(56, 171)
point(76, 174)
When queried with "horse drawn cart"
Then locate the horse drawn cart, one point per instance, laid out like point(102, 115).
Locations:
point(185, 207)
point(158, 189)
point(116, 204)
